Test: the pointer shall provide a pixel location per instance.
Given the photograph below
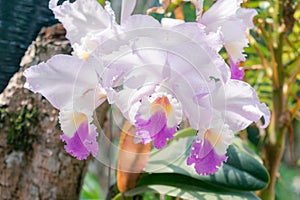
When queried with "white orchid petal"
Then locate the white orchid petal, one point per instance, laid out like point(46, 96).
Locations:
point(220, 138)
point(70, 120)
point(243, 106)
point(55, 79)
point(127, 8)
point(233, 22)
point(246, 15)
point(199, 6)
point(136, 22)
point(80, 18)
point(170, 22)
point(62, 79)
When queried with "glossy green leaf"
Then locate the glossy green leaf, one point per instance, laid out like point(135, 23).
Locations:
point(191, 193)
point(189, 12)
point(243, 171)
point(156, 16)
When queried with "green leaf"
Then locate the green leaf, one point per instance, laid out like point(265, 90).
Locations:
point(189, 12)
point(288, 183)
point(156, 16)
point(187, 193)
point(243, 171)
point(91, 188)
point(167, 173)
point(102, 2)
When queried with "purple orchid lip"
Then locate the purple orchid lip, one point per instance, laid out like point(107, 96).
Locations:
point(155, 128)
point(236, 72)
point(205, 158)
point(82, 143)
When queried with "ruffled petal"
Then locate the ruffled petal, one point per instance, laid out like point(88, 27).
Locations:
point(70, 121)
point(157, 119)
point(80, 18)
point(155, 128)
point(208, 154)
point(83, 142)
point(208, 164)
point(233, 21)
point(147, 129)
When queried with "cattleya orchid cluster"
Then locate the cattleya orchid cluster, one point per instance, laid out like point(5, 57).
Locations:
point(157, 74)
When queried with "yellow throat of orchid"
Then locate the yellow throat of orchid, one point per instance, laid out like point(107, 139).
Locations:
point(162, 103)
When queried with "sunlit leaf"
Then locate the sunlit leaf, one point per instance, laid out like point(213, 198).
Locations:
point(102, 2)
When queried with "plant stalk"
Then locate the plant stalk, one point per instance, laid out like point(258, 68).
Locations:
point(275, 142)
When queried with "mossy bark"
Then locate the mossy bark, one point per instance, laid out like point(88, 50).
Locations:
point(38, 166)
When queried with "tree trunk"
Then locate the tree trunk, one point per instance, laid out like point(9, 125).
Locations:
point(33, 162)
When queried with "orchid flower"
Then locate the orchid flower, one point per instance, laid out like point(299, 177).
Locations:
point(236, 72)
point(225, 16)
point(70, 85)
point(162, 82)
point(233, 22)
point(150, 68)
point(240, 108)
point(88, 24)
point(156, 74)
point(63, 79)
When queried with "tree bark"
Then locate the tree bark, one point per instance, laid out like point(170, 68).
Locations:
point(33, 162)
